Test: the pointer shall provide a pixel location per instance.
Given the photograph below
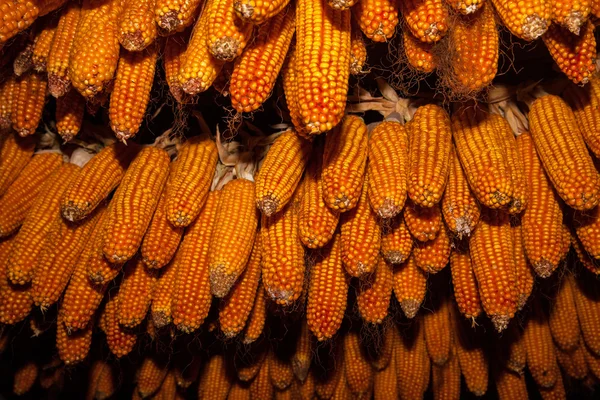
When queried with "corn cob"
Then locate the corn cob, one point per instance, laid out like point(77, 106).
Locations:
point(587, 226)
point(236, 307)
point(72, 348)
point(95, 52)
point(261, 387)
point(432, 256)
point(94, 377)
point(527, 22)
point(151, 375)
point(472, 357)
point(388, 168)
point(317, 222)
point(330, 372)
point(290, 86)
point(321, 31)
point(248, 365)
point(173, 50)
point(436, 323)
point(556, 392)
point(134, 203)
point(542, 220)
point(102, 382)
point(23, 63)
point(358, 53)
point(57, 66)
point(41, 45)
point(131, 94)
point(135, 292)
point(384, 351)
point(198, 67)
point(385, 385)
point(214, 380)
point(373, 295)
point(30, 103)
point(175, 15)
point(120, 340)
point(570, 14)
point(410, 284)
point(25, 377)
point(96, 181)
point(191, 300)
point(482, 158)
point(541, 360)
point(58, 257)
point(523, 271)
point(494, 267)
point(465, 286)
point(256, 321)
point(256, 71)
point(592, 361)
point(161, 239)
point(18, 15)
point(8, 91)
point(344, 162)
point(342, 390)
point(446, 378)
point(15, 154)
point(574, 178)
point(257, 11)
point(474, 42)
point(186, 370)
point(377, 19)
point(306, 388)
point(412, 363)
point(584, 102)
point(587, 301)
point(360, 237)
point(328, 291)
point(419, 55)
point(303, 354)
point(510, 386)
point(99, 270)
point(511, 350)
point(424, 223)
point(281, 172)
point(396, 242)
point(137, 29)
point(162, 295)
point(239, 391)
point(563, 322)
point(358, 372)
point(427, 21)
point(280, 370)
point(20, 195)
point(15, 301)
point(460, 208)
point(69, 114)
point(572, 362)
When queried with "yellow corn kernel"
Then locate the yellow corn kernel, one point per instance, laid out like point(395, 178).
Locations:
point(41, 46)
point(258, 11)
point(491, 248)
point(593, 362)
point(280, 370)
point(227, 34)
point(386, 379)
point(584, 102)
point(412, 362)
point(198, 67)
point(358, 53)
point(574, 55)
point(281, 172)
point(25, 377)
point(436, 323)
point(175, 15)
point(474, 48)
point(191, 298)
point(472, 357)
point(162, 295)
point(30, 239)
point(256, 321)
point(377, 19)
point(419, 55)
point(360, 237)
point(261, 387)
point(69, 114)
point(290, 86)
point(358, 371)
point(523, 271)
point(526, 21)
point(20, 195)
point(30, 104)
point(410, 284)
point(135, 293)
point(15, 154)
point(173, 50)
point(57, 66)
point(317, 222)
point(374, 293)
point(541, 360)
point(427, 20)
point(322, 83)
point(396, 241)
point(482, 158)
point(446, 378)
point(466, 292)
point(18, 15)
point(465, 6)
point(95, 52)
point(563, 322)
point(72, 348)
point(97, 179)
point(7, 93)
point(120, 340)
point(137, 29)
point(510, 385)
point(303, 354)
point(542, 220)
point(133, 204)
point(151, 374)
point(561, 149)
point(214, 380)
point(571, 14)
point(433, 256)
point(235, 309)
point(423, 223)
point(388, 168)
point(587, 226)
point(327, 293)
point(99, 270)
point(587, 301)
point(15, 300)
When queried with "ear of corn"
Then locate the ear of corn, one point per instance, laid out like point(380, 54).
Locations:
point(466, 292)
point(290, 86)
point(374, 293)
point(173, 51)
point(15, 301)
point(302, 356)
point(280, 370)
point(134, 203)
point(41, 45)
point(564, 325)
point(587, 227)
point(23, 63)
point(412, 362)
point(587, 301)
point(523, 271)
point(493, 263)
point(99, 270)
point(511, 350)
point(236, 307)
point(446, 378)
point(192, 298)
point(557, 391)
point(419, 55)
point(261, 387)
point(20, 195)
point(162, 295)
point(18, 16)
point(120, 340)
point(186, 370)
point(510, 385)
point(527, 22)
point(465, 6)
point(377, 19)
point(69, 114)
point(214, 380)
point(7, 93)
point(256, 321)
point(570, 14)
point(57, 66)
point(563, 154)
point(321, 92)
point(256, 71)
point(427, 20)
point(281, 172)
point(97, 179)
point(410, 284)
point(15, 154)
point(358, 53)
point(257, 11)
point(432, 256)
point(438, 333)
point(388, 168)
point(396, 241)
point(584, 102)
point(135, 293)
point(25, 377)
point(72, 348)
point(592, 361)
point(385, 384)
point(236, 220)
point(359, 374)
point(227, 34)
point(572, 362)
point(175, 15)
point(541, 360)
point(95, 52)
point(472, 357)
point(30, 104)
point(151, 375)
point(137, 29)
point(424, 223)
